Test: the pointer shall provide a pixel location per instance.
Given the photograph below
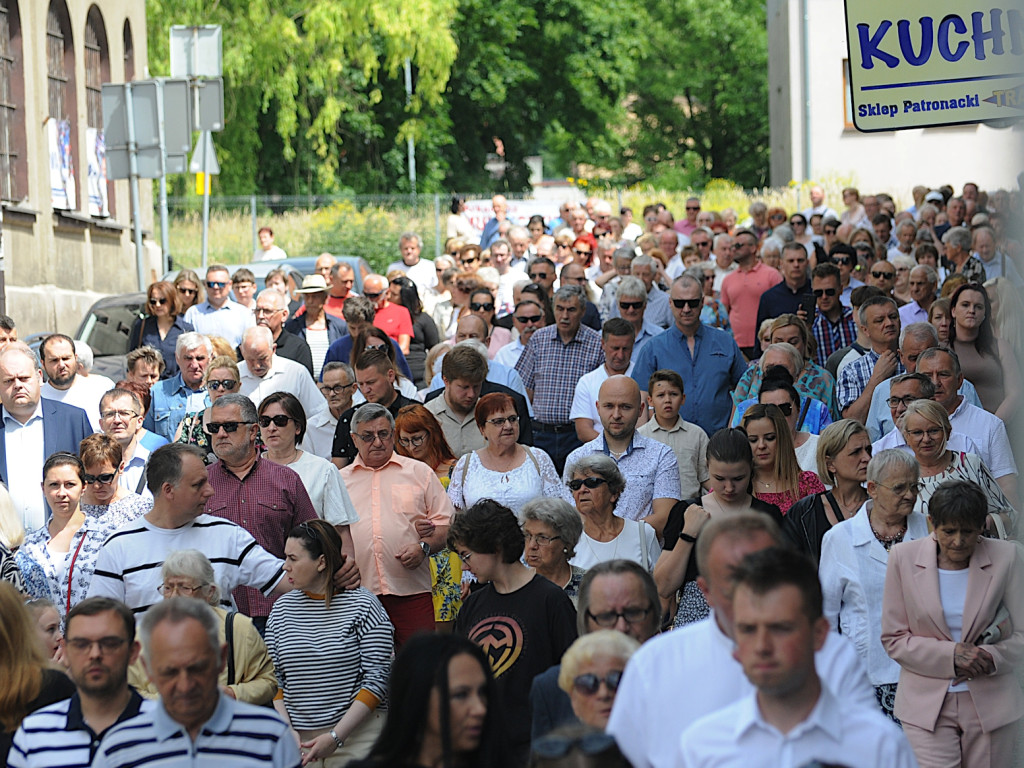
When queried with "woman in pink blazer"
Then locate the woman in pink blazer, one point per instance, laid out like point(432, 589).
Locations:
point(953, 617)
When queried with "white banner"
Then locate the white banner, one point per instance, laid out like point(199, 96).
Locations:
point(63, 195)
point(96, 157)
point(479, 212)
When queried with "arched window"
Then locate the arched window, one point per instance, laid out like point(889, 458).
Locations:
point(129, 52)
point(62, 105)
point(13, 169)
point(97, 66)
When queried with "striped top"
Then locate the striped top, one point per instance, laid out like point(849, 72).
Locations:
point(128, 565)
point(238, 735)
point(57, 736)
point(325, 658)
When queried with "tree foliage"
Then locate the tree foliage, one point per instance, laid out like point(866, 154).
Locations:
point(702, 111)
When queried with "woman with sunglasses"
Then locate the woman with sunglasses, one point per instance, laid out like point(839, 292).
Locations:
point(162, 322)
point(590, 674)
point(189, 288)
point(282, 424)
point(331, 649)
point(778, 478)
point(503, 470)
point(482, 304)
point(220, 378)
point(419, 436)
point(803, 234)
point(596, 485)
point(730, 471)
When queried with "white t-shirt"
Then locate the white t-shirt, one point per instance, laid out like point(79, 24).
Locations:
point(807, 454)
point(637, 542)
point(325, 488)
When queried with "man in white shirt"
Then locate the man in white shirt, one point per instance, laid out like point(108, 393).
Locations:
point(63, 382)
point(792, 719)
point(268, 250)
point(121, 419)
point(337, 386)
point(420, 270)
point(647, 713)
point(218, 315)
point(617, 343)
point(527, 318)
point(818, 205)
point(923, 280)
point(264, 372)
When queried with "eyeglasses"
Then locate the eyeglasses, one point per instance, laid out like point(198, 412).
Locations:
point(829, 231)
point(375, 345)
point(106, 644)
point(469, 260)
point(708, 277)
point(745, 244)
point(337, 389)
point(578, 252)
point(411, 442)
point(893, 402)
point(170, 589)
point(691, 303)
point(540, 538)
point(934, 433)
point(264, 311)
point(841, 261)
point(105, 479)
point(538, 276)
point(609, 619)
point(819, 292)
point(786, 408)
point(702, 244)
point(589, 482)
point(589, 684)
point(499, 422)
point(904, 488)
point(693, 207)
point(372, 296)
point(464, 556)
point(883, 273)
point(228, 426)
point(631, 304)
point(188, 291)
point(217, 384)
point(487, 306)
point(216, 284)
point(279, 420)
point(370, 437)
point(529, 319)
point(155, 302)
point(797, 223)
point(122, 415)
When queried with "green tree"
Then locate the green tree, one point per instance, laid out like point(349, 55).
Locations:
point(305, 81)
point(701, 110)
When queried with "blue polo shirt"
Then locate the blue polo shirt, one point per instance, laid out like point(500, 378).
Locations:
point(709, 374)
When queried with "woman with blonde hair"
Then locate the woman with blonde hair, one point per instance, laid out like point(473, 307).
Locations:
point(189, 288)
point(27, 681)
point(249, 673)
point(777, 476)
point(590, 673)
point(12, 532)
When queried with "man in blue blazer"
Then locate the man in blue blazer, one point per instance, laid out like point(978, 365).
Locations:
point(33, 429)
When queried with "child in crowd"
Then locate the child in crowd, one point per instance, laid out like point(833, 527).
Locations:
point(689, 442)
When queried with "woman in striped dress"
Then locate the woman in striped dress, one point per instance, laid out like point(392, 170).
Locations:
point(331, 651)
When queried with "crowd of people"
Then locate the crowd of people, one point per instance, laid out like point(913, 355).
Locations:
point(581, 491)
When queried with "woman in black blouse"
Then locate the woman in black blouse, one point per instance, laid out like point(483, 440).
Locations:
point(161, 325)
point(424, 329)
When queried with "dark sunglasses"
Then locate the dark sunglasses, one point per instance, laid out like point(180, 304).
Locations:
point(786, 408)
point(531, 319)
point(797, 223)
point(487, 306)
point(105, 479)
point(883, 273)
point(372, 296)
point(691, 303)
point(188, 291)
point(228, 426)
point(278, 421)
point(589, 684)
point(829, 231)
point(578, 252)
point(819, 292)
point(217, 284)
point(693, 207)
point(555, 747)
point(841, 260)
point(469, 260)
point(538, 276)
point(589, 482)
point(155, 302)
point(218, 384)
point(631, 305)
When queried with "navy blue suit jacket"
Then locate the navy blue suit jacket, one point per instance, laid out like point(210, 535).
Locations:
point(64, 427)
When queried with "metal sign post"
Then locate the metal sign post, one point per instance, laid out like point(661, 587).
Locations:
point(133, 186)
point(204, 161)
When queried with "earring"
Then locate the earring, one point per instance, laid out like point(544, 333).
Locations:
point(565, 551)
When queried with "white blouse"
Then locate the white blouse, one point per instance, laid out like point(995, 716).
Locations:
point(471, 481)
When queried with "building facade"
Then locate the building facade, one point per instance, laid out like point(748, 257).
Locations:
point(67, 236)
point(812, 131)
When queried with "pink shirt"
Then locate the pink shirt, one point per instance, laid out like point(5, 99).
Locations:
point(741, 294)
point(390, 500)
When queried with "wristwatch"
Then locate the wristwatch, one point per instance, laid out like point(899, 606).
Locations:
point(687, 537)
point(339, 742)
point(426, 548)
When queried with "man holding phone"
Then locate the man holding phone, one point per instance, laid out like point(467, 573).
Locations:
point(793, 295)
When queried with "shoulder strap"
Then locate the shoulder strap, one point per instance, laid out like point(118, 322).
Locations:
point(465, 469)
point(533, 458)
point(229, 637)
point(643, 545)
point(142, 482)
point(803, 413)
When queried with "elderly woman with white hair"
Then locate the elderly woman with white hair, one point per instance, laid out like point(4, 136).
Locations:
point(926, 428)
point(854, 555)
point(249, 673)
point(552, 529)
point(596, 485)
point(591, 670)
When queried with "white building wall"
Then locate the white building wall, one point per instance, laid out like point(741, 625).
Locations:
point(892, 161)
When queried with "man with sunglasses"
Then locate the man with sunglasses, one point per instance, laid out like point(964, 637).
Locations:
point(834, 326)
point(264, 372)
point(689, 224)
point(631, 298)
point(742, 289)
point(265, 498)
point(707, 358)
point(527, 317)
point(218, 315)
point(99, 645)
